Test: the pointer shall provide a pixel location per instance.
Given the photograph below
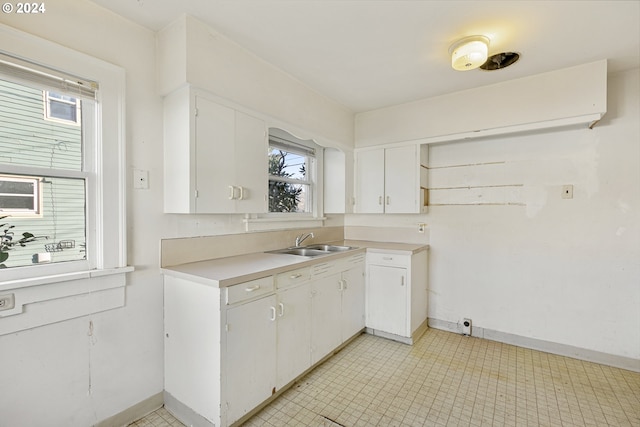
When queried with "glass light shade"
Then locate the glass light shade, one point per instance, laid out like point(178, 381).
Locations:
point(469, 53)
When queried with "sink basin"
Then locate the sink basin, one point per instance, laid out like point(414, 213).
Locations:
point(331, 248)
point(312, 252)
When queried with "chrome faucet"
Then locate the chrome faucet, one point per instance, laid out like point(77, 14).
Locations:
point(301, 238)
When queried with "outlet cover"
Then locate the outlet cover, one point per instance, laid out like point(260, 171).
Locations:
point(567, 191)
point(7, 302)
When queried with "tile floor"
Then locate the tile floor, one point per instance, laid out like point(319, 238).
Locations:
point(447, 379)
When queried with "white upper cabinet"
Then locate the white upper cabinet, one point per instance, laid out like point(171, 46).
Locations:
point(215, 156)
point(390, 180)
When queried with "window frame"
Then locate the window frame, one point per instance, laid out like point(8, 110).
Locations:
point(315, 214)
point(105, 169)
point(310, 175)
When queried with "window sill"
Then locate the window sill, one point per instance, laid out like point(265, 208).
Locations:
point(282, 223)
point(51, 299)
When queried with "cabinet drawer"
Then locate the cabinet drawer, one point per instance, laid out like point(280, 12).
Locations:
point(293, 277)
point(391, 259)
point(324, 269)
point(249, 290)
point(354, 259)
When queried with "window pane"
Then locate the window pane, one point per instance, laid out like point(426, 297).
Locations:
point(287, 164)
point(60, 232)
point(286, 197)
point(27, 139)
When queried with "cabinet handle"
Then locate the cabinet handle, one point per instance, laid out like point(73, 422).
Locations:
point(295, 276)
point(402, 281)
point(341, 285)
point(273, 313)
point(281, 305)
point(387, 258)
point(379, 200)
point(232, 192)
point(241, 193)
point(388, 200)
point(252, 288)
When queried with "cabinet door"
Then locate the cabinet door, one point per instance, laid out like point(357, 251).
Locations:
point(251, 174)
point(250, 356)
point(326, 313)
point(215, 157)
point(353, 302)
point(387, 299)
point(294, 333)
point(370, 181)
point(401, 180)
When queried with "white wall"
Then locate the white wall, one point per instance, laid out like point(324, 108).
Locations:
point(82, 371)
point(555, 270)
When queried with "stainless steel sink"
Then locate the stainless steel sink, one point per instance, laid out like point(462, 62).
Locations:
point(331, 248)
point(312, 250)
point(300, 252)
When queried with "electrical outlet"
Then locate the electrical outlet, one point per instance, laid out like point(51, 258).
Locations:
point(7, 302)
point(466, 326)
point(567, 191)
point(422, 227)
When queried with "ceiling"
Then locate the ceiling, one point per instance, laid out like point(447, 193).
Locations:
point(368, 54)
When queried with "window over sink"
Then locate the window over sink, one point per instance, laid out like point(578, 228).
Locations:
point(293, 174)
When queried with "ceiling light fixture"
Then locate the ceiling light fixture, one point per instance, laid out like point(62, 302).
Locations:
point(469, 53)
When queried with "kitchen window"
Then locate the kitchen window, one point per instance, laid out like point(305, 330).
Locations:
point(45, 175)
point(73, 262)
point(292, 174)
point(62, 184)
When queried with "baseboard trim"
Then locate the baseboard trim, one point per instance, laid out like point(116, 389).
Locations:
point(134, 413)
point(185, 414)
point(541, 345)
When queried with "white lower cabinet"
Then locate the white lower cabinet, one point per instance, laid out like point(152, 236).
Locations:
point(353, 300)
point(293, 333)
point(337, 305)
point(326, 313)
point(227, 350)
point(387, 308)
point(397, 294)
point(250, 356)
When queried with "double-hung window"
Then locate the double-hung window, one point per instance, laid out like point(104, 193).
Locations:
point(46, 173)
point(292, 174)
point(62, 182)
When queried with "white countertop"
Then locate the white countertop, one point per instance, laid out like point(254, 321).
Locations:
point(222, 272)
